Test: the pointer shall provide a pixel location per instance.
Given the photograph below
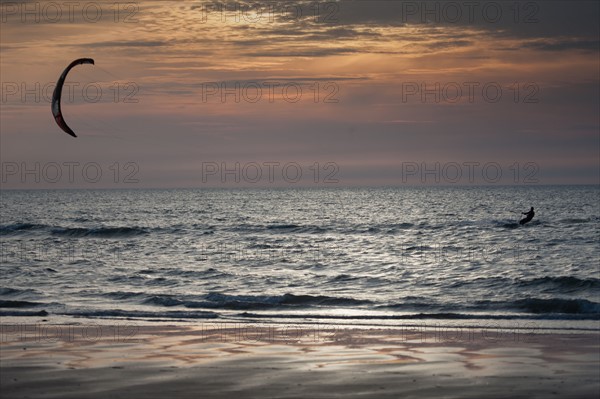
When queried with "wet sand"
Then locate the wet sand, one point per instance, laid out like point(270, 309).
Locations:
point(277, 361)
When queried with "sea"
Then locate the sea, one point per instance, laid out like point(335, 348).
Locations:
point(349, 256)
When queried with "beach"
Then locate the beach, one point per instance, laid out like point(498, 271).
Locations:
point(224, 360)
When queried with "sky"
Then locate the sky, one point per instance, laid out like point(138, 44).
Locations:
point(301, 94)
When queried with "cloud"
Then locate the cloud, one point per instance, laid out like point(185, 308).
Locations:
point(318, 52)
point(564, 45)
point(132, 43)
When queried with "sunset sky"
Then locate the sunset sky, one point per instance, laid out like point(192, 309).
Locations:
point(361, 67)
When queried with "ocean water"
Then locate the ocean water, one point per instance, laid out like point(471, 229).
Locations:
point(376, 256)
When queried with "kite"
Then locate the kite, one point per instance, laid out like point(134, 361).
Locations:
point(58, 92)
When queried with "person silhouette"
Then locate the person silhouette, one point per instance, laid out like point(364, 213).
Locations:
point(528, 216)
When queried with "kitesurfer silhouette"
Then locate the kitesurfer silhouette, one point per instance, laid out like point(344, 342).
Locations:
point(528, 216)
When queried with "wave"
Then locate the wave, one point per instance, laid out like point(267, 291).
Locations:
point(23, 313)
point(366, 317)
point(7, 291)
point(320, 300)
point(575, 220)
point(19, 227)
point(163, 300)
point(512, 224)
point(282, 226)
point(537, 222)
point(546, 284)
point(562, 283)
point(144, 314)
point(385, 228)
point(344, 277)
point(215, 300)
point(411, 316)
point(557, 305)
point(18, 304)
point(104, 232)
point(551, 308)
point(121, 295)
point(101, 231)
point(238, 302)
point(404, 225)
